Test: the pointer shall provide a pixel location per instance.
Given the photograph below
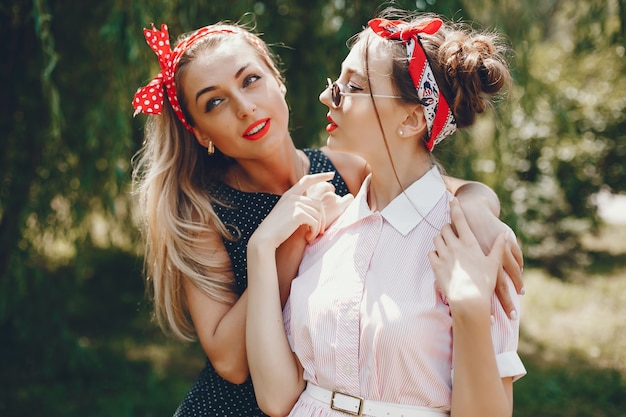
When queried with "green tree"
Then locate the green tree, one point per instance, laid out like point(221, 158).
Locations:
point(558, 139)
point(68, 244)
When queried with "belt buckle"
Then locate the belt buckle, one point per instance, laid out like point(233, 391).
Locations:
point(346, 403)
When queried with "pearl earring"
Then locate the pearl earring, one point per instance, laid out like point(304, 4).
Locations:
point(401, 132)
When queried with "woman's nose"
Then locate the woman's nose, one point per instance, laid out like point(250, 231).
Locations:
point(325, 97)
point(245, 106)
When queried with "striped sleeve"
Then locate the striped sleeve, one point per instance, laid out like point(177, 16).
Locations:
point(505, 336)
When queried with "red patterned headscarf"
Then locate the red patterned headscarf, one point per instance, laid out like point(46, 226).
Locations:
point(439, 118)
point(149, 99)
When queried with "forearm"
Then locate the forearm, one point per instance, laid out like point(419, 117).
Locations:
point(288, 258)
point(273, 366)
point(477, 388)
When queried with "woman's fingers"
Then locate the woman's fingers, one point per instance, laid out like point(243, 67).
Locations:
point(497, 251)
point(319, 190)
point(504, 296)
point(514, 262)
point(309, 181)
point(459, 222)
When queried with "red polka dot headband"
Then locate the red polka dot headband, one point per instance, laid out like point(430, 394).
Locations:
point(439, 118)
point(149, 99)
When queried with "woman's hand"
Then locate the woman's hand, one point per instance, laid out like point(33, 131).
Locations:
point(481, 208)
point(333, 204)
point(294, 209)
point(486, 226)
point(465, 274)
point(511, 269)
point(512, 259)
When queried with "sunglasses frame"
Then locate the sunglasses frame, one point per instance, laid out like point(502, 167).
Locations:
point(337, 93)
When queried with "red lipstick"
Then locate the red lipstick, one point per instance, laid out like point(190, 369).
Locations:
point(257, 129)
point(332, 126)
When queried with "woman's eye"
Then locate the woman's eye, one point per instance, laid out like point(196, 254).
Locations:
point(212, 103)
point(250, 79)
point(353, 88)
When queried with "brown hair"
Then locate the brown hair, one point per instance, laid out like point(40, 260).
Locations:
point(469, 65)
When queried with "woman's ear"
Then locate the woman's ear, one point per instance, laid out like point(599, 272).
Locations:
point(202, 140)
point(415, 122)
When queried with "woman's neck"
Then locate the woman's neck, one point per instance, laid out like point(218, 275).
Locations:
point(386, 184)
point(274, 174)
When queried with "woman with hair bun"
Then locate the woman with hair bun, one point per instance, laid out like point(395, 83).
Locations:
point(393, 311)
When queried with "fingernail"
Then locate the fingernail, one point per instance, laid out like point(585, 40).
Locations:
point(522, 291)
point(513, 315)
point(493, 319)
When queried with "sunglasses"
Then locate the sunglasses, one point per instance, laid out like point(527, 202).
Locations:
point(337, 93)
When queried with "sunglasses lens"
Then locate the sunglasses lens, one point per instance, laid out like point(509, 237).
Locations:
point(336, 95)
point(335, 92)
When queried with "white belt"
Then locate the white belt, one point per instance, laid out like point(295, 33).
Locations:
point(353, 405)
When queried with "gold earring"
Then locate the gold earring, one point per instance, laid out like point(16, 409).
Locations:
point(210, 149)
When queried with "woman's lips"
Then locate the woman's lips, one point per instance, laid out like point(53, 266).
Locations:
point(257, 129)
point(332, 126)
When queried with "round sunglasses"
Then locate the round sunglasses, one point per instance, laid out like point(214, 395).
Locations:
point(337, 93)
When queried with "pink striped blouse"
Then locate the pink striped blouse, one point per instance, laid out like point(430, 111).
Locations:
point(365, 316)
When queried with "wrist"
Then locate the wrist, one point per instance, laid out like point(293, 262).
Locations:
point(474, 311)
point(258, 246)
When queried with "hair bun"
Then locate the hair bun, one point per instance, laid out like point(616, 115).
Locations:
point(475, 68)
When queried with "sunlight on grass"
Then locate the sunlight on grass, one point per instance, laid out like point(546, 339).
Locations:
point(582, 320)
point(612, 239)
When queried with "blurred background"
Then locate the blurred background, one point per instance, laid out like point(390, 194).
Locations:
point(76, 336)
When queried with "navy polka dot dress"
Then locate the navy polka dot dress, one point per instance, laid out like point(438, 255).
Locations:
point(211, 395)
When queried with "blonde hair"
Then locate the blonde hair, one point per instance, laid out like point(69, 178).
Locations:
point(172, 174)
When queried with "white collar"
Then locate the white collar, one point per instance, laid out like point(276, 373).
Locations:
point(400, 213)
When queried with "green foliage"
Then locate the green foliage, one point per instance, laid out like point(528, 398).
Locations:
point(67, 355)
point(574, 389)
point(558, 139)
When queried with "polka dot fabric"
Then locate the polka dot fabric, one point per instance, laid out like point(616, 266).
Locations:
point(149, 99)
point(211, 395)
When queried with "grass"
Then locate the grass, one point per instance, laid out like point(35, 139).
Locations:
point(586, 320)
point(573, 336)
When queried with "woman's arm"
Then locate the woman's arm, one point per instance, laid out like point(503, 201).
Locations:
point(220, 326)
point(481, 207)
point(467, 278)
point(274, 368)
point(288, 258)
point(474, 191)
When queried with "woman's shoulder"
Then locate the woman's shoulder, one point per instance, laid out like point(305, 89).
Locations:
point(352, 168)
